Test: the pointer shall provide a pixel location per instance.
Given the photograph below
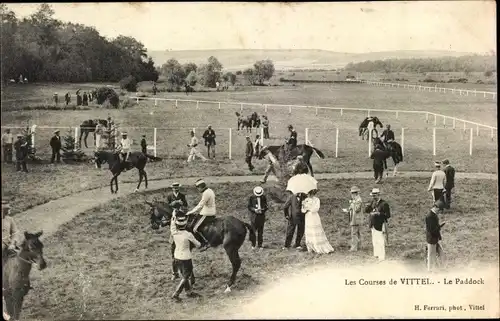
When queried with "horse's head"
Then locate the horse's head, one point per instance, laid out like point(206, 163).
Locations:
point(377, 121)
point(159, 214)
point(32, 249)
point(237, 114)
point(100, 158)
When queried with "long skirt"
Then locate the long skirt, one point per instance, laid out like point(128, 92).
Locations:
point(316, 240)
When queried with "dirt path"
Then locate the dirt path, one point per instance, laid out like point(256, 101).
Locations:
point(50, 216)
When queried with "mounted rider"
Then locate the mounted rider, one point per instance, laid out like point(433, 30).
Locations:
point(388, 135)
point(291, 142)
point(207, 207)
point(10, 232)
point(124, 148)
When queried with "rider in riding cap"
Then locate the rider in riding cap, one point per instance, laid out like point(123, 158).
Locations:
point(291, 142)
point(207, 207)
point(388, 135)
point(124, 148)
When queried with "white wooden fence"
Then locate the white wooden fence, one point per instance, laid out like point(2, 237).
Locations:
point(435, 88)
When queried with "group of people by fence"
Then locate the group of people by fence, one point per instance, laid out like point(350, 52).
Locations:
point(81, 99)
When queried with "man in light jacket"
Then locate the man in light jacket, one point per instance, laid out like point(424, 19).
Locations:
point(206, 206)
point(437, 183)
point(355, 211)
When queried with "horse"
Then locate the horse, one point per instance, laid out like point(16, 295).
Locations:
point(116, 166)
point(303, 150)
point(16, 271)
point(364, 126)
point(255, 120)
point(394, 149)
point(88, 126)
point(244, 122)
point(227, 231)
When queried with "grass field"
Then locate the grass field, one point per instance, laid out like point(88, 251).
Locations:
point(175, 124)
point(108, 263)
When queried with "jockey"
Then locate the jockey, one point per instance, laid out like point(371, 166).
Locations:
point(291, 142)
point(388, 135)
point(10, 233)
point(207, 207)
point(125, 147)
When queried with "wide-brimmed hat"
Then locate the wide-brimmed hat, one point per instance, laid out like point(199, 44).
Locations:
point(437, 164)
point(375, 191)
point(199, 182)
point(354, 189)
point(258, 191)
point(175, 185)
point(181, 220)
point(57, 131)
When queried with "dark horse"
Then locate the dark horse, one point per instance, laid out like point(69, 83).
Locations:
point(88, 126)
point(227, 231)
point(363, 127)
point(116, 166)
point(251, 121)
point(303, 150)
point(16, 272)
point(394, 149)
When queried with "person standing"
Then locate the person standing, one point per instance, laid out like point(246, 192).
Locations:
point(316, 240)
point(144, 145)
point(21, 148)
point(99, 132)
point(177, 201)
point(379, 156)
point(355, 211)
point(209, 137)
point(155, 89)
point(207, 209)
point(7, 142)
point(379, 215)
point(257, 205)
point(183, 256)
point(67, 98)
point(265, 125)
point(296, 220)
point(85, 99)
point(272, 162)
point(437, 183)
point(449, 172)
point(433, 234)
point(249, 153)
point(78, 98)
point(56, 99)
point(55, 144)
point(194, 152)
point(257, 145)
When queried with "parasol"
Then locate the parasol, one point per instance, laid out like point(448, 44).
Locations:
point(301, 183)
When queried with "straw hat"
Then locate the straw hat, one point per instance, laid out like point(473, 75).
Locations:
point(354, 189)
point(181, 220)
point(375, 191)
point(258, 191)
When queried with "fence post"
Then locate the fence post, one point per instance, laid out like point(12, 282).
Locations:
point(262, 135)
point(219, 105)
point(368, 113)
point(197, 104)
point(369, 141)
point(337, 142)
point(241, 107)
point(475, 92)
point(426, 117)
point(290, 109)
point(265, 108)
point(471, 139)
point(76, 138)
point(154, 141)
point(156, 102)
point(464, 125)
point(230, 142)
point(194, 130)
point(435, 120)
point(341, 111)
point(397, 114)
point(454, 122)
point(316, 111)
point(137, 100)
point(176, 104)
point(492, 133)
point(434, 141)
point(444, 121)
point(477, 130)
point(306, 136)
point(403, 141)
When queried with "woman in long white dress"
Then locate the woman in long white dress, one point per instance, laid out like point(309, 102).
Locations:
point(316, 240)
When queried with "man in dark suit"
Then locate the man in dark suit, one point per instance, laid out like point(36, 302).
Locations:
point(144, 145)
point(55, 144)
point(296, 219)
point(209, 137)
point(379, 216)
point(379, 156)
point(449, 171)
point(177, 201)
point(21, 148)
point(257, 205)
point(433, 234)
point(249, 153)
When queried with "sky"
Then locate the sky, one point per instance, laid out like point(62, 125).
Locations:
point(464, 26)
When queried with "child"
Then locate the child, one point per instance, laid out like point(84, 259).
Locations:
point(144, 145)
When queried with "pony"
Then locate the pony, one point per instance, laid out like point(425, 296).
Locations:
point(363, 127)
point(227, 231)
point(303, 150)
point(16, 272)
point(116, 166)
point(394, 149)
point(88, 126)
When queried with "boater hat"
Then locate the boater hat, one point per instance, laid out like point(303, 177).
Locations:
point(437, 164)
point(258, 191)
point(181, 220)
point(199, 182)
point(124, 133)
point(375, 191)
point(57, 131)
point(354, 189)
point(175, 185)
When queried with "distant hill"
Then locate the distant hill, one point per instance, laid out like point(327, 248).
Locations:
point(237, 59)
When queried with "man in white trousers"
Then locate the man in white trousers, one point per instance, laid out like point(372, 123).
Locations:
point(194, 151)
point(379, 215)
point(437, 183)
point(99, 130)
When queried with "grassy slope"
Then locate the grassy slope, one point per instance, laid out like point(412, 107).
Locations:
point(60, 181)
point(109, 264)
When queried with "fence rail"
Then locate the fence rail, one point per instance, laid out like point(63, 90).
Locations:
point(433, 88)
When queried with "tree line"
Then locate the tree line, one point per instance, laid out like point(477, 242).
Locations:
point(209, 74)
point(472, 63)
point(42, 48)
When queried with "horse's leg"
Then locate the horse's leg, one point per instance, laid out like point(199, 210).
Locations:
point(145, 177)
point(111, 184)
point(85, 138)
point(17, 304)
point(140, 181)
point(235, 259)
point(116, 182)
point(9, 303)
point(308, 163)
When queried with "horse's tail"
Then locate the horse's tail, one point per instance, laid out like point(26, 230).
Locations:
point(252, 237)
point(153, 158)
point(320, 153)
point(400, 152)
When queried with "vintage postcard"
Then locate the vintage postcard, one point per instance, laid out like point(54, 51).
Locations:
point(242, 160)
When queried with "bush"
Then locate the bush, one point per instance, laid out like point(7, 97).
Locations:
point(107, 94)
point(129, 83)
point(239, 72)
